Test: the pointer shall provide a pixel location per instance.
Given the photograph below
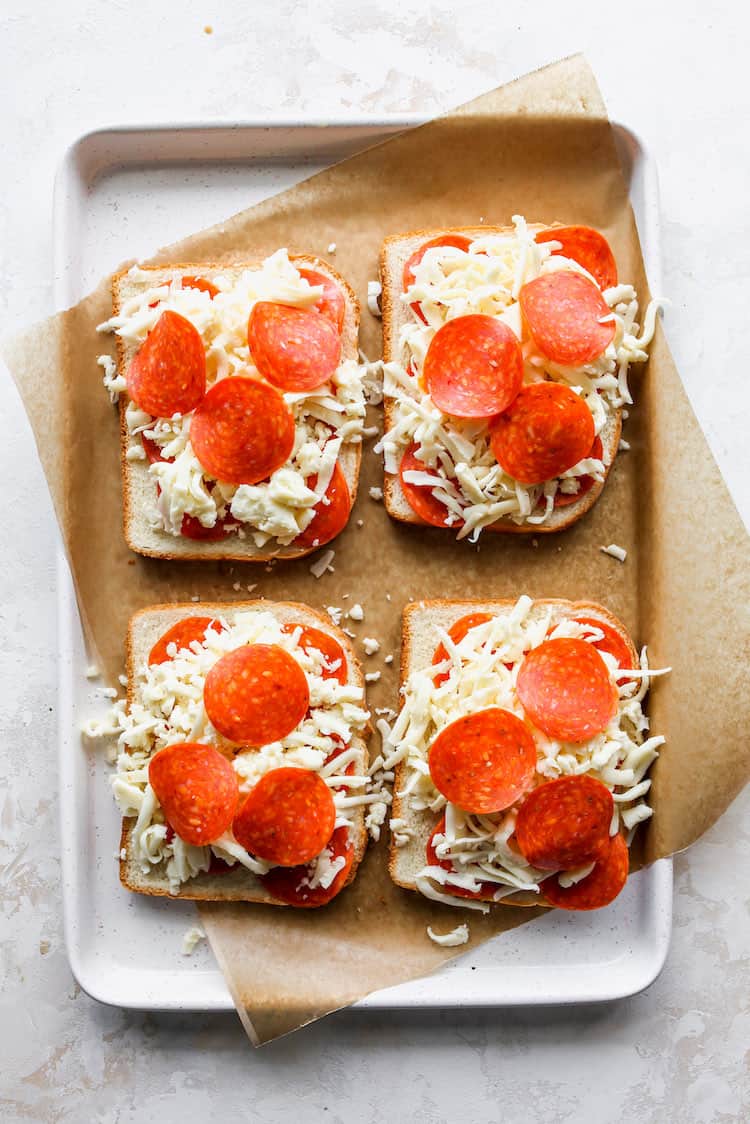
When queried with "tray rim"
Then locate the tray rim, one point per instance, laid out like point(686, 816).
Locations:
point(382, 127)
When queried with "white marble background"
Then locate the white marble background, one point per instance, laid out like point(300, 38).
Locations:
point(678, 75)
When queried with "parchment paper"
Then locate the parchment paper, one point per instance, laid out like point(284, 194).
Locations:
point(541, 146)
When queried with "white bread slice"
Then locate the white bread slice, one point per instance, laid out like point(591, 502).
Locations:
point(419, 639)
point(238, 884)
point(395, 252)
point(138, 487)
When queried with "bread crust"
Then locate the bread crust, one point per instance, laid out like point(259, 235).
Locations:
point(410, 634)
point(395, 249)
point(231, 549)
point(237, 884)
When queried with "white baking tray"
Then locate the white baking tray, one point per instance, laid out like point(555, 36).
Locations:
point(121, 193)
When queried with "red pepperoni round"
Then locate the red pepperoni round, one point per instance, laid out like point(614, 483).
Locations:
point(287, 818)
point(290, 884)
point(473, 367)
point(167, 374)
point(566, 690)
point(183, 633)
point(484, 761)
point(565, 823)
point(585, 483)
point(295, 349)
point(598, 888)
point(195, 283)
point(460, 241)
point(242, 431)
point(612, 643)
point(586, 246)
point(457, 632)
point(256, 694)
point(562, 311)
point(328, 646)
point(330, 518)
point(419, 497)
point(547, 430)
point(197, 789)
point(331, 303)
point(201, 283)
point(487, 889)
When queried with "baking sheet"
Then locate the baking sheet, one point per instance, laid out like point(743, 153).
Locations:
point(544, 141)
point(124, 949)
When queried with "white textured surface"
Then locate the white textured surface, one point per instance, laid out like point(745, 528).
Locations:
point(677, 1052)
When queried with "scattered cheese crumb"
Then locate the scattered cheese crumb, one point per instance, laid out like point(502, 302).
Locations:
point(323, 563)
point(374, 289)
point(122, 680)
point(92, 671)
point(335, 613)
point(387, 596)
point(107, 692)
point(370, 645)
point(192, 937)
point(457, 936)
point(624, 445)
point(250, 588)
point(389, 658)
point(535, 542)
point(331, 247)
point(376, 493)
point(135, 453)
point(195, 598)
point(236, 587)
point(356, 613)
point(360, 522)
point(372, 677)
point(348, 632)
point(615, 551)
point(123, 853)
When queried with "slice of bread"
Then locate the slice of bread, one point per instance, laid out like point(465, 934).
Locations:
point(419, 639)
point(238, 883)
point(394, 254)
point(138, 486)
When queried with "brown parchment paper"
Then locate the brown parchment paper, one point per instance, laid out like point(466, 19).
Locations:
point(541, 146)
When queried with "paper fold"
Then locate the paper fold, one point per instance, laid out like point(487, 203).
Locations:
point(541, 146)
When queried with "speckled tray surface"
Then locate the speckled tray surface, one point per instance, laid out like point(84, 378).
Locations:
point(121, 193)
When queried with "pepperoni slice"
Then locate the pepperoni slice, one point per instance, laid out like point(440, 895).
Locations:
point(195, 283)
point(457, 632)
point(473, 367)
point(183, 633)
point(612, 643)
point(546, 430)
point(460, 241)
point(586, 246)
point(484, 761)
point(331, 304)
point(167, 374)
point(566, 690)
point(242, 431)
point(419, 496)
point(598, 888)
point(565, 823)
point(201, 283)
point(487, 889)
point(291, 884)
point(585, 483)
point(294, 348)
point(330, 517)
point(287, 818)
point(328, 646)
point(197, 789)
point(256, 694)
point(562, 311)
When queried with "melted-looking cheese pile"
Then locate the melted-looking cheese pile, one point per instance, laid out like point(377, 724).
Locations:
point(168, 708)
point(459, 465)
point(326, 419)
point(479, 845)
